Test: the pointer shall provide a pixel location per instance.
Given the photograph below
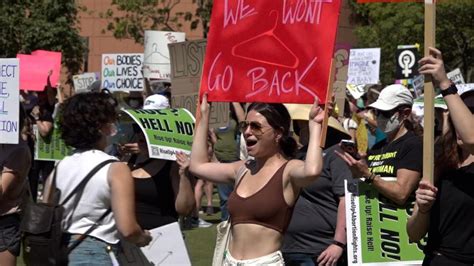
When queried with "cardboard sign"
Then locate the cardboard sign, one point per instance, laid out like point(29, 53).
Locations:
point(456, 76)
point(407, 57)
point(341, 59)
point(83, 81)
point(167, 246)
point(376, 229)
point(122, 72)
point(53, 63)
point(9, 100)
point(51, 148)
point(270, 51)
point(364, 66)
point(187, 59)
point(166, 131)
point(156, 62)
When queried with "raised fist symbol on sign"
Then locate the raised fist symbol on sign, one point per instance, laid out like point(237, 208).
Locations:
point(406, 60)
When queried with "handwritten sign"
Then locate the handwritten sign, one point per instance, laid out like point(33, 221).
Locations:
point(270, 51)
point(156, 62)
point(83, 81)
point(456, 76)
point(364, 66)
point(122, 72)
point(187, 59)
point(9, 100)
point(166, 131)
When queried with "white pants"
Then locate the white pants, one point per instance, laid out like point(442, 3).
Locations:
point(275, 258)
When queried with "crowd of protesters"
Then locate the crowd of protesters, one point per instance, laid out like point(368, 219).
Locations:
point(282, 192)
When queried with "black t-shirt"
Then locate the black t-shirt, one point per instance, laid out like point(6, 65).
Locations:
point(405, 152)
point(314, 219)
point(451, 231)
point(154, 199)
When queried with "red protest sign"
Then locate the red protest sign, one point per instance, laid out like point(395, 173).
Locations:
point(270, 51)
point(53, 62)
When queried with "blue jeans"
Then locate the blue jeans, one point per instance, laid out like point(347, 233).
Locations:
point(299, 259)
point(91, 251)
point(224, 192)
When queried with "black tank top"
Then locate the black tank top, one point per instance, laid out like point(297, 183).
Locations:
point(154, 198)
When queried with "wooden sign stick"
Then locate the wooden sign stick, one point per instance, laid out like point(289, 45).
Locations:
point(324, 128)
point(429, 95)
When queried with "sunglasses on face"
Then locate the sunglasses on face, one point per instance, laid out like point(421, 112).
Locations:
point(255, 127)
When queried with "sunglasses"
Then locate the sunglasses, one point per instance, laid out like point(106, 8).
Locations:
point(255, 127)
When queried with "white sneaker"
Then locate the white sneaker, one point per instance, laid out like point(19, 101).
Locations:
point(198, 222)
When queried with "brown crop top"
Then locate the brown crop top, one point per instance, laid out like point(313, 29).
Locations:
point(266, 207)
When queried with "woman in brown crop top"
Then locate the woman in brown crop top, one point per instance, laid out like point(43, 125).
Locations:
point(267, 187)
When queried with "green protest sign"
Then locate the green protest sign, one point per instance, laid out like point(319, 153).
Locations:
point(166, 131)
point(51, 148)
point(376, 229)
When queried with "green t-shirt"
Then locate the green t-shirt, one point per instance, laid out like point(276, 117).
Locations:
point(226, 147)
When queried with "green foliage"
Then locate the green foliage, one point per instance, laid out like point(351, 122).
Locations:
point(29, 25)
point(136, 16)
point(387, 25)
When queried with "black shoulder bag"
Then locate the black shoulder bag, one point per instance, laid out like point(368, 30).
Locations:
point(42, 230)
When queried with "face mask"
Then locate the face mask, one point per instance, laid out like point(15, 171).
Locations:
point(388, 125)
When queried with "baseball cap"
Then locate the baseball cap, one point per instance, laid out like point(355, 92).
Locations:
point(156, 102)
point(393, 96)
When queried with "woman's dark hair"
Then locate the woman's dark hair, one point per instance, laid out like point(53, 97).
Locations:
point(448, 154)
point(83, 115)
point(279, 119)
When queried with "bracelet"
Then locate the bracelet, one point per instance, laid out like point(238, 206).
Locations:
point(340, 244)
point(450, 90)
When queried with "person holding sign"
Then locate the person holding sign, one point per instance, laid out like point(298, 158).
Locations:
point(15, 161)
point(400, 155)
point(267, 187)
point(86, 122)
point(445, 210)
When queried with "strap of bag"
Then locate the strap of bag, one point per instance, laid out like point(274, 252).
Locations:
point(84, 181)
point(91, 228)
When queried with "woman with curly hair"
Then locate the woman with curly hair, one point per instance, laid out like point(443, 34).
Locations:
point(87, 120)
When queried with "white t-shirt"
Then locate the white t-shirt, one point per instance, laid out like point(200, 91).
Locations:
point(81, 212)
point(349, 123)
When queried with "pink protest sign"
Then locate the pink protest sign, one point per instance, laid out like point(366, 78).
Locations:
point(53, 62)
point(270, 51)
point(34, 69)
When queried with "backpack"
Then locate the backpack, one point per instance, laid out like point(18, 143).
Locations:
point(41, 226)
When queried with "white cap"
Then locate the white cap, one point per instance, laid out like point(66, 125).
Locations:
point(156, 102)
point(393, 96)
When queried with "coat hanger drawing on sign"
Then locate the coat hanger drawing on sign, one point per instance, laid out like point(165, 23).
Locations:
point(269, 33)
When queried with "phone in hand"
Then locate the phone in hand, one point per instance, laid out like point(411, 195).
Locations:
point(350, 147)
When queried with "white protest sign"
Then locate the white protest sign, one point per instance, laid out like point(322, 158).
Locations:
point(122, 72)
point(356, 90)
point(456, 76)
point(167, 246)
point(364, 66)
point(157, 56)
point(418, 85)
point(462, 88)
point(9, 100)
point(83, 81)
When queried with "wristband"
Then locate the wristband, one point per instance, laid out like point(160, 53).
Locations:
point(450, 90)
point(339, 244)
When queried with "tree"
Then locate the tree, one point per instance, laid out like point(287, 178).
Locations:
point(29, 25)
point(135, 16)
point(387, 25)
